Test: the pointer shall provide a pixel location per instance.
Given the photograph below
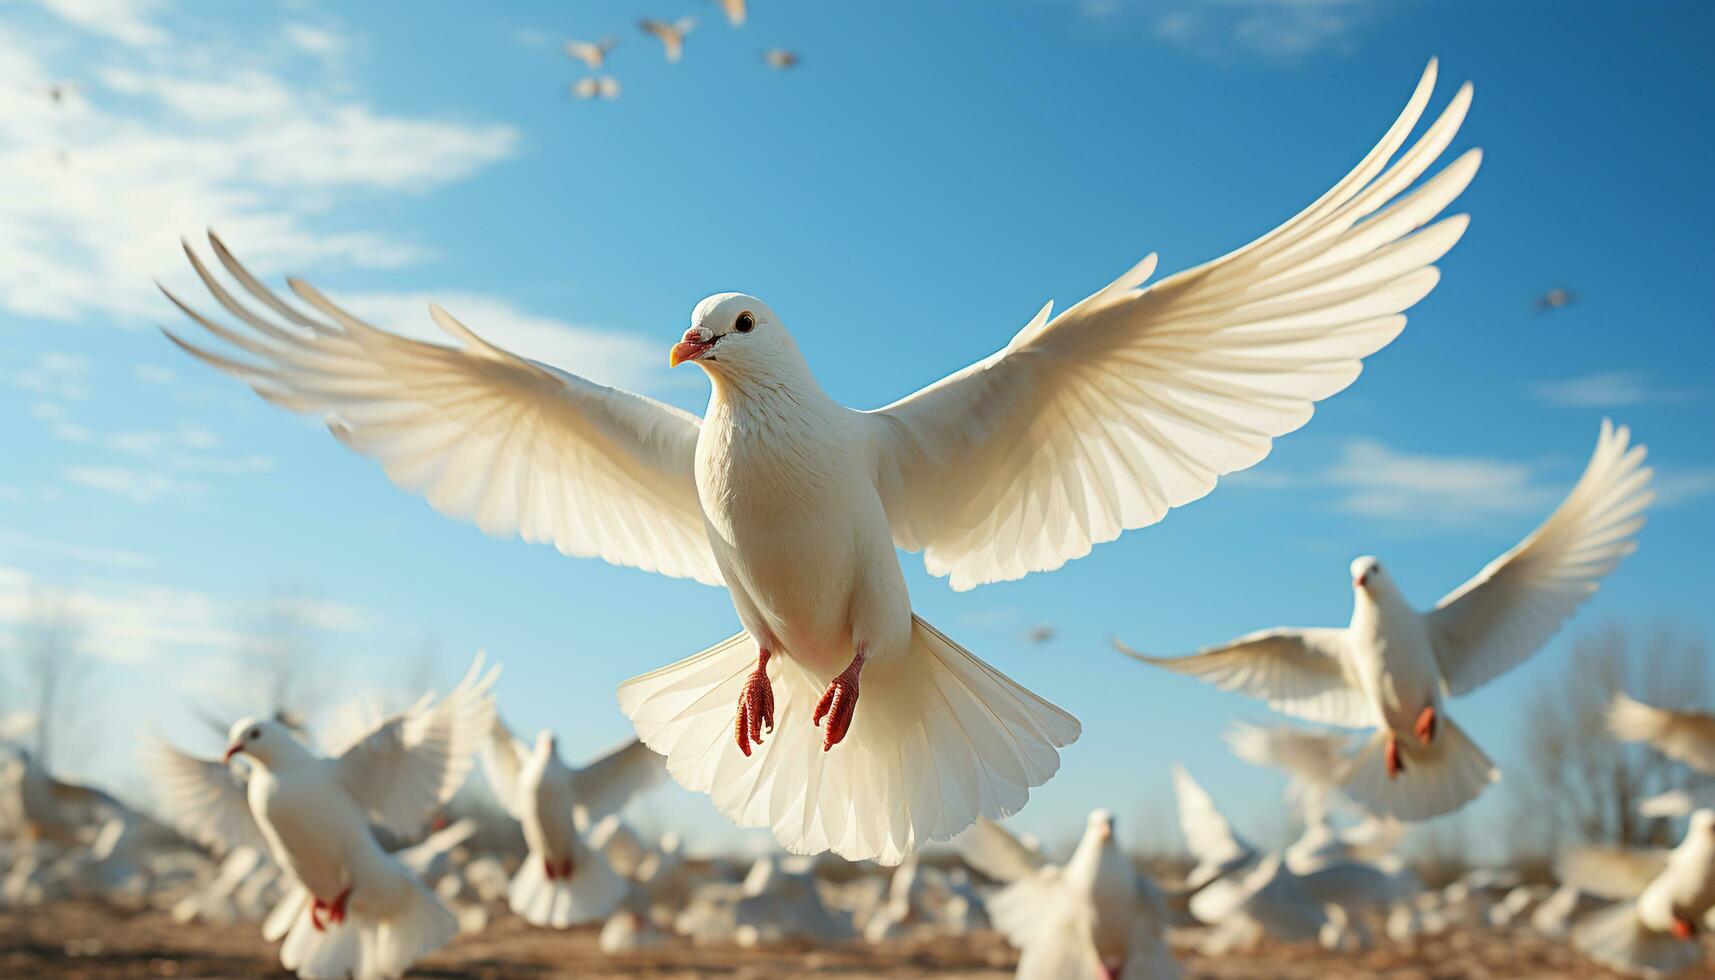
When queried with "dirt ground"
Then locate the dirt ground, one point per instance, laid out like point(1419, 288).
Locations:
point(72, 940)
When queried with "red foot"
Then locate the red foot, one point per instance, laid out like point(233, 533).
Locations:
point(755, 707)
point(1426, 722)
point(556, 872)
point(317, 907)
point(839, 703)
point(335, 910)
point(1684, 928)
point(1395, 763)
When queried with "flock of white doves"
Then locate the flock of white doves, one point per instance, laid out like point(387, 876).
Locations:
point(835, 716)
point(672, 35)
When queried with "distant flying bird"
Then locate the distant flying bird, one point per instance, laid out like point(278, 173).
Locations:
point(563, 882)
point(1664, 897)
point(596, 87)
point(1391, 668)
point(671, 36)
point(1093, 918)
point(780, 58)
point(1554, 299)
point(592, 53)
point(734, 10)
point(1687, 736)
point(1131, 402)
point(1040, 633)
point(313, 815)
point(59, 92)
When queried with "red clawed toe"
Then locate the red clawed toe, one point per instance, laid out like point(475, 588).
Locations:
point(839, 703)
point(1390, 755)
point(1426, 724)
point(755, 707)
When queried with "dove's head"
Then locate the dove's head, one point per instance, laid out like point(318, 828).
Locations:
point(737, 338)
point(1101, 823)
point(1702, 824)
point(546, 743)
point(263, 739)
point(1369, 579)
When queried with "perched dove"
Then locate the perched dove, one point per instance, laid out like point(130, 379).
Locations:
point(591, 53)
point(367, 914)
point(563, 881)
point(1663, 895)
point(1685, 736)
point(1392, 667)
point(671, 35)
point(596, 87)
point(1095, 917)
point(1101, 419)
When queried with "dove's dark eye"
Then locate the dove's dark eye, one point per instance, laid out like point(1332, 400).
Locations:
point(255, 733)
point(745, 323)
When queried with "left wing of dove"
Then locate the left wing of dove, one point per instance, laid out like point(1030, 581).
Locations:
point(1137, 399)
point(415, 761)
point(203, 798)
point(1688, 736)
point(1495, 621)
point(607, 784)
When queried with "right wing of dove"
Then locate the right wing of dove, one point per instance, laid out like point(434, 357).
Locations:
point(1688, 736)
point(606, 785)
point(203, 798)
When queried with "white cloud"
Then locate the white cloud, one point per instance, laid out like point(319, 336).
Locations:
point(126, 21)
point(164, 145)
point(154, 374)
point(1273, 30)
point(1612, 389)
point(605, 356)
point(313, 39)
point(89, 554)
point(57, 376)
point(137, 485)
point(70, 432)
point(1678, 487)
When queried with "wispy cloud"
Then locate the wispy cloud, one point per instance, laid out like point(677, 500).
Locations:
point(54, 375)
point(1679, 486)
point(1271, 30)
point(1612, 389)
point(89, 554)
point(138, 485)
point(156, 144)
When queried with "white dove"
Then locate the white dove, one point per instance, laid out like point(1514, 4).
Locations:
point(563, 881)
point(591, 53)
point(596, 87)
point(313, 815)
point(1218, 850)
point(1393, 666)
point(1095, 917)
point(1685, 736)
point(1101, 419)
point(1664, 896)
point(671, 35)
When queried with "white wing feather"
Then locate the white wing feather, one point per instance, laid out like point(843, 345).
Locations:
point(1688, 736)
point(203, 798)
point(511, 445)
point(1495, 621)
point(1209, 837)
point(1610, 872)
point(606, 785)
point(414, 762)
point(502, 758)
point(1299, 672)
point(991, 849)
point(1136, 400)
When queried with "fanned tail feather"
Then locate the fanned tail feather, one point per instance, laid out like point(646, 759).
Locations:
point(590, 895)
point(1616, 938)
point(939, 739)
point(1438, 778)
point(364, 948)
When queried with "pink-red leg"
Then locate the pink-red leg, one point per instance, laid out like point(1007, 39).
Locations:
point(1426, 724)
point(336, 908)
point(317, 907)
point(566, 869)
point(755, 707)
point(1684, 928)
point(839, 703)
point(1390, 755)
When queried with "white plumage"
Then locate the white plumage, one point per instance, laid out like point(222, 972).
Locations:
point(1663, 895)
point(1391, 667)
point(352, 909)
point(1688, 736)
point(1131, 402)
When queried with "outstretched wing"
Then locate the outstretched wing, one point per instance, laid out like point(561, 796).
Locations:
point(502, 758)
point(1299, 672)
point(1137, 399)
point(991, 849)
point(204, 799)
point(1208, 836)
point(1494, 622)
point(514, 446)
point(606, 785)
point(1611, 872)
point(1688, 736)
point(414, 762)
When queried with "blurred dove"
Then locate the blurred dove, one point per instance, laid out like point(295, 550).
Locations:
point(596, 87)
point(734, 10)
point(1664, 896)
point(563, 881)
point(1093, 918)
point(779, 59)
point(1554, 299)
point(798, 504)
point(313, 815)
point(671, 36)
point(1392, 666)
point(1686, 736)
point(591, 53)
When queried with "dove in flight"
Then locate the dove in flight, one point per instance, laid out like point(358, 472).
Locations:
point(1084, 425)
point(1392, 667)
point(366, 914)
point(1685, 736)
point(671, 35)
point(1093, 918)
point(563, 881)
point(1664, 896)
point(591, 53)
point(596, 87)
point(779, 59)
point(734, 10)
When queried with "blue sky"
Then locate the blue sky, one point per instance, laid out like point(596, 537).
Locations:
point(905, 200)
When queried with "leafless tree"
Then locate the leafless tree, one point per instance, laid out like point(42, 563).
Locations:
point(1576, 783)
point(53, 682)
